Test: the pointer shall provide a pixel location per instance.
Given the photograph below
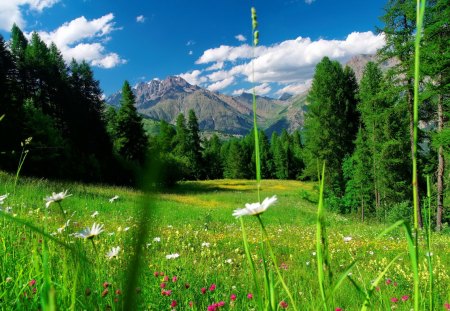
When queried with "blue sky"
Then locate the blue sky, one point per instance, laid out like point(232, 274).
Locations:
point(206, 42)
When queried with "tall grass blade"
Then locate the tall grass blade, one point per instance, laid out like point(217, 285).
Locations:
point(274, 261)
point(321, 243)
point(414, 249)
point(428, 241)
point(252, 265)
point(375, 283)
point(344, 275)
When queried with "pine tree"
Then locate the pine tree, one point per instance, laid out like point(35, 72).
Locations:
point(330, 122)
point(436, 65)
point(195, 148)
point(11, 125)
point(165, 137)
point(372, 108)
point(399, 28)
point(267, 165)
point(130, 138)
point(234, 166)
point(181, 138)
point(212, 158)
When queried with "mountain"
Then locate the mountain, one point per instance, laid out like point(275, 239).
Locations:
point(358, 62)
point(165, 99)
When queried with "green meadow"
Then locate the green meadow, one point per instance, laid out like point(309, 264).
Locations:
point(43, 267)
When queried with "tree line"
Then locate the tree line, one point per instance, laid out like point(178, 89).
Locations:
point(364, 132)
point(60, 108)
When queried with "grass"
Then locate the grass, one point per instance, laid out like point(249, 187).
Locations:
point(185, 219)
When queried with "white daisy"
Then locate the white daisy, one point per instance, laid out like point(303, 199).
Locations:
point(94, 214)
point(255, 208)
point(113, 199)
point(56, 197)
point(347, 239)
point(63, 228)
point(3, 197)
point(172, 256)
point(90, 233)
point(205, 244)
point(157, 239)
point(113, 253)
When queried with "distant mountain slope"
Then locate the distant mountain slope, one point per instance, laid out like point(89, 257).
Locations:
point(164, 100)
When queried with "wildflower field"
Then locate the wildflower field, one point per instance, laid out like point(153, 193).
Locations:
point(77, 252)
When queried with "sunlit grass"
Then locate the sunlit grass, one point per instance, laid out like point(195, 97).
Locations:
point(182, 228)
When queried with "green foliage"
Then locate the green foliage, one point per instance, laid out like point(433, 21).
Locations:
point(331, 121)
point(130, 139)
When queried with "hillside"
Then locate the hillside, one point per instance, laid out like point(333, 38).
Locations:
point(164, 100)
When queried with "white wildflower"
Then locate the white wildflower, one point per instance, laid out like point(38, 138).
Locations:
point(347, 239)
point(94, 214)
point(255, 208)
point(113, 253)
point(113, 199)
point(56, 197)
point(3, 198)
point(157, 239)
point(172, 256)
point(90, 233)
point(205, 244)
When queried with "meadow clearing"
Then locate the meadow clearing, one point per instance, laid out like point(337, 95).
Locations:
point(193, 256)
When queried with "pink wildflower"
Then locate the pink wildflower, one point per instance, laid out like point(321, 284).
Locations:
point(233, 297)
point(405, 298)
point(174, 279)
point(173, 304)
point(250, 296)
point(221, 303)
point(447, 306)
point(191, 304)
point(32, 282)
point(388, 281)
point(283, 304)
point(166, 278)
point(212, 287)
point(118, 292)
point(162, 285)
point(338, 309)
point(203, 290)
point(156, 274)
point(105, 284)
point(394, 299)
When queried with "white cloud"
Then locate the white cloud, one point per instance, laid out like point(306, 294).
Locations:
point(241, 38)
point(84, 39)
point(193, 77)
point(215, 66)
point(288, 63)
point(11, 11)
point(140, 19)
point(261, 89)
point(190, 52)
point(309, 1)
point(220, 85)
point(190, 42)
point(295, 88)
point(109, 61)
point(226, 53)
